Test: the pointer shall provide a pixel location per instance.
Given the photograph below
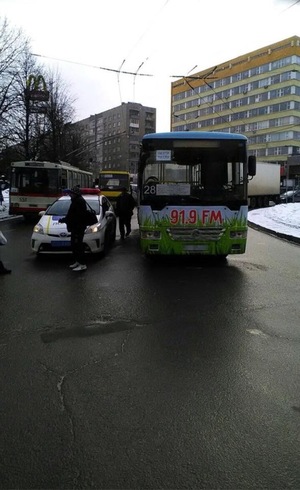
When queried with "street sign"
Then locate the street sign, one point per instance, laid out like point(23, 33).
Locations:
point(37, 95)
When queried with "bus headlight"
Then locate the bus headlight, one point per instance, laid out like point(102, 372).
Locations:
point(151, 235)
point(238, 234)
point(38, 229)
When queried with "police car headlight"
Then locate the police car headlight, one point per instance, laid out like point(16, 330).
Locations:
point(93, 229)
point(38, 229)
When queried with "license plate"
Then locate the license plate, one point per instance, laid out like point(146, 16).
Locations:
point(58, 244)
point(196, 248)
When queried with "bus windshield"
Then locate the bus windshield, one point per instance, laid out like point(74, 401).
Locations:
point(113, 181)
point(210, 171)
point(35, 180)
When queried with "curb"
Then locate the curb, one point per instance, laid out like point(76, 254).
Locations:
point(282, 236)
point(6, 218)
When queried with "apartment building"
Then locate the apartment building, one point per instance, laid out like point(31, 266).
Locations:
point(113, 137)
point(257, 94)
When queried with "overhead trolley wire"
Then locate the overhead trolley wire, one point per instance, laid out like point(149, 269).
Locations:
point(94, 66)
point(290, 6)
point(124, 72)
point(135, 74)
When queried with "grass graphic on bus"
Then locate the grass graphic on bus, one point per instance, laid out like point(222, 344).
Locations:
point(168, 246)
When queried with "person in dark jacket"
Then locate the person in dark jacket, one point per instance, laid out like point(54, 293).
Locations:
point(76, 225)
point(3, 269)
point(124, 210)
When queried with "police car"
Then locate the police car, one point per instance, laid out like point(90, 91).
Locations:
point(49, 236)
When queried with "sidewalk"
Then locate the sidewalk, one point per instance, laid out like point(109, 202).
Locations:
point(4, 211)
point(134, 221)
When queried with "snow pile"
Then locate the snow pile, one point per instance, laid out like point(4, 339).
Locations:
point(283, 218)
point(5, 205)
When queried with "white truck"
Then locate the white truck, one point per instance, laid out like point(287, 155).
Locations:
point(264, 187)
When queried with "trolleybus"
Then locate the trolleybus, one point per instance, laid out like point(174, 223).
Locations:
point(35, 185)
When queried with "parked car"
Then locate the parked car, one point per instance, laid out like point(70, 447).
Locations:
point(290, 196)
point(49, 236)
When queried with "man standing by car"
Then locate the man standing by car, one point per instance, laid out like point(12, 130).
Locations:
point(2, 187)
point(76, 225)
point(124, 210)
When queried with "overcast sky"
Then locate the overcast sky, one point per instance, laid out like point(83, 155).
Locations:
point(161, 38)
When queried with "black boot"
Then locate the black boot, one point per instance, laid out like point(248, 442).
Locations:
point(3, 269)
point(6, 271)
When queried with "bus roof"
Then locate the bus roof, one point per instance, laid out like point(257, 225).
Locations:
point(38, 163)
point(195, 135)
point(46, 164)
point(112, 171)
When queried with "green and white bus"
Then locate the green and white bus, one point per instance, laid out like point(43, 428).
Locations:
point(193, 193)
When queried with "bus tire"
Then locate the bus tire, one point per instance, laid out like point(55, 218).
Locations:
point(150, 257)
point(222, 258)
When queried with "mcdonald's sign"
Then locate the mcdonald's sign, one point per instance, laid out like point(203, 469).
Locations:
point(36, 88)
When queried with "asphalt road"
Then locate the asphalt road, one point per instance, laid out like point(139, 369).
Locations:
point(144, 375)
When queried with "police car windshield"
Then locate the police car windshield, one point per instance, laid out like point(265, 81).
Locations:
point(60, 207)
point(95, 205)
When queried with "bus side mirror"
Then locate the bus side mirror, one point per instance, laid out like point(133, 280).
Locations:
point(252, 165)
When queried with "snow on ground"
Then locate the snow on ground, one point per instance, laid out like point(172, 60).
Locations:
point(283, 218)
point(5, 204)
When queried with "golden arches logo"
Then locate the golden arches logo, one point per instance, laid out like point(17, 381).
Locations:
point(36, 83)
point(36, 89)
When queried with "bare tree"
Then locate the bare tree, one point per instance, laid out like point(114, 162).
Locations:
point(59, 111)
point(12, 44)
point(76, 146)
point(62, 140)
point(35, 121)
point(18, 127)
point(26, 122)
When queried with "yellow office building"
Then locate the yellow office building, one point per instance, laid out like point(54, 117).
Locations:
point(257, 94)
